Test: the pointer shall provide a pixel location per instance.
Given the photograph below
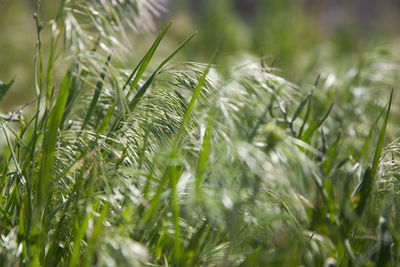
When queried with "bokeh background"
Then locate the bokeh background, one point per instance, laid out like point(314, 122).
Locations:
point(294, 36)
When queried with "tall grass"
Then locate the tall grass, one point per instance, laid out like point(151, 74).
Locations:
point(160, 163)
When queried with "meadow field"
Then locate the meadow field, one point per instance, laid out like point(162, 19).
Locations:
point(156, 133)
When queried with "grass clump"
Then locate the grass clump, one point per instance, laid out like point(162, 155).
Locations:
point(179, 165)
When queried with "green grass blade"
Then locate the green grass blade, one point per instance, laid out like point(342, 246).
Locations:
point(192, 102)
point(55, 251)
point(301, 106)
point(203, 157)
point(50, 67)
point(50, 138)
point(146, 60)
point(19, 171)
point(173, 174)
point(4, 87)
point(77, 81)
point(96, 95)
point(305, 120)
point(195, 243)
point(75, 88)
point(95, 234)
point(164, 179)
point(80, 231)
point(368, 139)
point(107, 118)
point(134, 71)
point(121, 99)
point(140, 69)
point(149, 177)
point(174, 178)
point(331, 154)
point(146, 85)
point(305, 100)
point(157, 196)
point(362, 191)
point(314, 126)
point(378, 150)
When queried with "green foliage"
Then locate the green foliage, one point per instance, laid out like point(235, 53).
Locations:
point(180, 165)
point(4, 87)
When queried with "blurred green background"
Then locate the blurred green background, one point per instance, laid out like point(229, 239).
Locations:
point(295, 36)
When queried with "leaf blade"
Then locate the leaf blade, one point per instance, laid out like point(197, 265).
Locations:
point(4, 87)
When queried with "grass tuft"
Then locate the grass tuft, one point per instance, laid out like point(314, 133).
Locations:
point(180, 164)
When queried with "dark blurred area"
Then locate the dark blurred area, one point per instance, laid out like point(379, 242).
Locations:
point(365, 14)
point(282, 31)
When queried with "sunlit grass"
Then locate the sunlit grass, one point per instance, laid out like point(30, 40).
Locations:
point(160, 163)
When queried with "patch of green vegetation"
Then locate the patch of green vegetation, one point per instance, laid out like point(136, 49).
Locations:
point(156, 163)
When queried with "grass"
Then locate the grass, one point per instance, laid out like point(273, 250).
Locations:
point(126, 164)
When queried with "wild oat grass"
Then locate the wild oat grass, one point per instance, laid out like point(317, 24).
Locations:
point(126, 164)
